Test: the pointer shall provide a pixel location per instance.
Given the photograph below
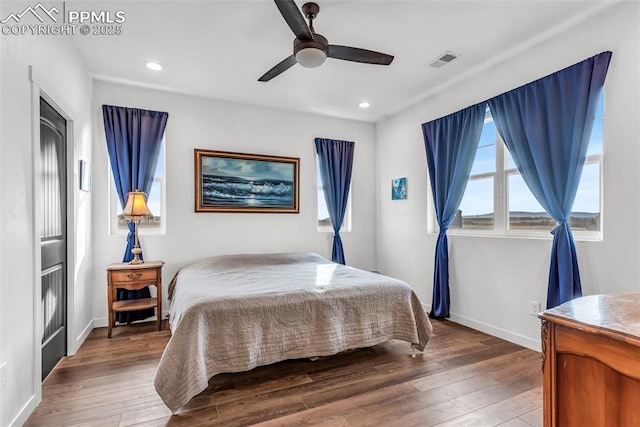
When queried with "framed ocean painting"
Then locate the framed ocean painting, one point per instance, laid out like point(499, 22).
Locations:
point(238, 182)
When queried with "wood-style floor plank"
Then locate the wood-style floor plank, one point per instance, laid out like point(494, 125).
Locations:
point(463, 378)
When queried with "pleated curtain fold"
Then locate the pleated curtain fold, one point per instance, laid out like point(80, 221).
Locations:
point(546, 126)
point(450, 143)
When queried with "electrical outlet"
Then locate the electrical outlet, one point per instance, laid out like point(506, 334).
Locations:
point(3, 376)
point(534, 308)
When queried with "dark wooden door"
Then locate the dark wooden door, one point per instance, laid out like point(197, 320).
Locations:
point(53, 241)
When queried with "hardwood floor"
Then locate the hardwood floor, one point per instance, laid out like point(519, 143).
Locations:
point(464, 378)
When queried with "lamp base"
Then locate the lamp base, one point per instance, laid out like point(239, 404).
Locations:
point(136, 251)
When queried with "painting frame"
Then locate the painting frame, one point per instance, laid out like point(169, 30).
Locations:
point(269, 184)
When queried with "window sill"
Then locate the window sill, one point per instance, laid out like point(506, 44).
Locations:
point(578, 237)
point(330, 230)
point(147, 232)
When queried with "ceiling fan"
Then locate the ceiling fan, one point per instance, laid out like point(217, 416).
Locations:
point(310, 49)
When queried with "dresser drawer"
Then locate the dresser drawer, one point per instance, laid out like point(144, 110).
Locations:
point(132, 276)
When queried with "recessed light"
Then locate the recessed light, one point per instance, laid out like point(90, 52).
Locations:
point(155, 66)
point(364, 104)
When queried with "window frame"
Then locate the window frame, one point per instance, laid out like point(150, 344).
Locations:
point(114, 203)
point(501, 198)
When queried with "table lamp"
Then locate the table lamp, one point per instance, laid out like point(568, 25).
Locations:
point(135, 210)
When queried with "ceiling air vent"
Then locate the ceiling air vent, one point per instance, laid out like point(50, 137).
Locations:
point(443, 59)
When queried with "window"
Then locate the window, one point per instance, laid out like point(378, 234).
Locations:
point(324, 222)
point(155, 202)
point(497, 200)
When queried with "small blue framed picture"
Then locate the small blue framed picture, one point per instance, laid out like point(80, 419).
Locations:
point(399, 189)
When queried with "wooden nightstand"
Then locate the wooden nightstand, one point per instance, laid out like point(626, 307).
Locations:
point(134, 277)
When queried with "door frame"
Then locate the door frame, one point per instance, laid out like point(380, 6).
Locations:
point(36, 93)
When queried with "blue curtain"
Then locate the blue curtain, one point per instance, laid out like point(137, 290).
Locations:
point(336, 161)
point(546, 125)
point(134, 137)
point(451, 143)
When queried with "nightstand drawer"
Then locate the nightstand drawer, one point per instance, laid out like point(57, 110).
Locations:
point(134, 276)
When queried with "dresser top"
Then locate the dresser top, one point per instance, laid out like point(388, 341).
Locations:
point(617, 313)
point(127, 266)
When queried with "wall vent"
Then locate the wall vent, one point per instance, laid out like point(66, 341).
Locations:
point(443, 59)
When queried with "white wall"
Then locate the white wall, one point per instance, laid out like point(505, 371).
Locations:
point(60, 74)
point(493, 279)
point(209, 124)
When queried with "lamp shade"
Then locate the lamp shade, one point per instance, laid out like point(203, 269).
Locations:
point(136, 207)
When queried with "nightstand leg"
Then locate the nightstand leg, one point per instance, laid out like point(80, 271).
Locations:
point(110, 321)
point(109, 309)
point(159, 311)
point(159, 297)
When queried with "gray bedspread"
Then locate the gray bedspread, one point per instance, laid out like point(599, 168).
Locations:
point(233, 313)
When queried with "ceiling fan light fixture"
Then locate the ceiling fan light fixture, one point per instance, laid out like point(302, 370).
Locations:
point(311, 57)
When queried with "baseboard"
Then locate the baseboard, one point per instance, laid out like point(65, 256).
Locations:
point(81, 338)
point(100, 322)
point(24, 413)
point(493, 330)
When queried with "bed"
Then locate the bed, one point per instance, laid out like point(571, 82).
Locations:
point(232, 313)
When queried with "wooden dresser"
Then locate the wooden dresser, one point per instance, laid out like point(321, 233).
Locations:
point(591, 362)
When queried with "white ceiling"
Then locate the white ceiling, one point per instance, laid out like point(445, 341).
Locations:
point(219, 49)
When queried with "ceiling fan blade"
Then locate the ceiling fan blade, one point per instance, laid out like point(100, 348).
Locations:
point(358, 55)
point(283, 66)
point(294, 18)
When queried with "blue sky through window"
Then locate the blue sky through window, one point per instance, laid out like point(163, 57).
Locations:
point(485, 160)
point(478, 197)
